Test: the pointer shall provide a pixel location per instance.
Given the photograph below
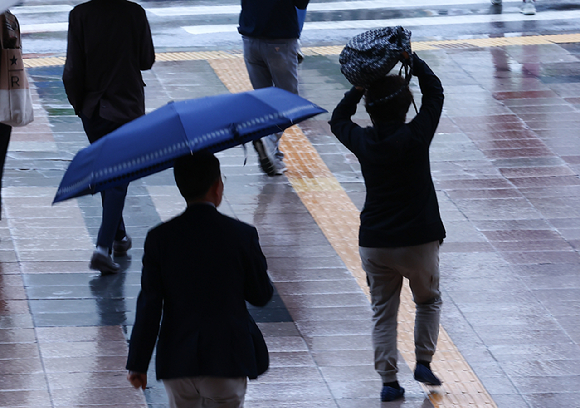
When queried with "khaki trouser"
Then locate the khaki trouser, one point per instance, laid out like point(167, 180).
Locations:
point(385, 269)
point(206, 392)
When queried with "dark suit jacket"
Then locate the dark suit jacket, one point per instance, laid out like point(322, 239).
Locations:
point(198, 270)
point(109, 43)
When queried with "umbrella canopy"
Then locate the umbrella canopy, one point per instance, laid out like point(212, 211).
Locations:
point(152, 142)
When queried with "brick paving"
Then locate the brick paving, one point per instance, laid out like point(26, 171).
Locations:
point(506, 161)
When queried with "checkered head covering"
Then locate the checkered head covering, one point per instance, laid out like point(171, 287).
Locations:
point(371, 55)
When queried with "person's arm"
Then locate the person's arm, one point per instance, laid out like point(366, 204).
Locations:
point(147, 53)
point(147, 317)
point(73, 76)
point(258, 289)
point(341, 123)
point(427, 120)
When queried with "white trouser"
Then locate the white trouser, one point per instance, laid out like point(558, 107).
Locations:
point(206, 392)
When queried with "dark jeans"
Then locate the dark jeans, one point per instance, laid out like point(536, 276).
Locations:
point(113, 200)
point(5, 131)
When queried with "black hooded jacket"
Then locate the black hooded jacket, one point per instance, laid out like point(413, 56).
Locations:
point(401, 207)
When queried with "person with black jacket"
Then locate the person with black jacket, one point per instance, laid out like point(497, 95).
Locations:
point(5, 131)
point(109, 44)
point(199, 269)
point(401, 228)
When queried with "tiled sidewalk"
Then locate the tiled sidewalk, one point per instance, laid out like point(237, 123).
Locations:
point(506, 162)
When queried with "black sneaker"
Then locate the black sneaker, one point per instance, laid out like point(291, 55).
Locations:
point(425, 375)
point(266, 160)
point(391, 393)
point(103, 263)
point(120, 248)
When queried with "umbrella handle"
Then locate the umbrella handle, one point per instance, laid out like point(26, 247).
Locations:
point(236, 134)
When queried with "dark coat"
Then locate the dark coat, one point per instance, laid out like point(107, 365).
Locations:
point(272, 19)
point(109, 43)
point(401, 206)
point(199, 269)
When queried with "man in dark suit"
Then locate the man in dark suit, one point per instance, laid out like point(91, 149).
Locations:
point(199, 269)
point(109, 44)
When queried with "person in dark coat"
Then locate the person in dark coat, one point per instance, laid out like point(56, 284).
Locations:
point(109, 44)
point(401, 228)
point(199, 269)
point(5, 131)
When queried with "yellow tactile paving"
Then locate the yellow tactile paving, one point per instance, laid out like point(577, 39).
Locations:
point(32, 62)
point(188, 56)
point(338, 218)
point(42, 61)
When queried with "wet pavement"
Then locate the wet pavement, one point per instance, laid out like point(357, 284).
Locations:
point(506, 164)
point(197, 25)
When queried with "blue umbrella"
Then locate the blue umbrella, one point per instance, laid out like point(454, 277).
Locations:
point(152, 142)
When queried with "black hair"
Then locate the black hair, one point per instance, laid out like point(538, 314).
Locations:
point(388, 99)
point(195, 174)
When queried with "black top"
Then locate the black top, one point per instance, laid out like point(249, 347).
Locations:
point(401, 206)
point(272, 19)
point(199, 269)
point(109, 43)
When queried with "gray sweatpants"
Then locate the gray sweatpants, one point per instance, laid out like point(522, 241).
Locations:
point(385, 269)
point(272, 62)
